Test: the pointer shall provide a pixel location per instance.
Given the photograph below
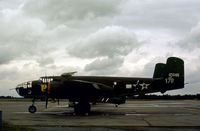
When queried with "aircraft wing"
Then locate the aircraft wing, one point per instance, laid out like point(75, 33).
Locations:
point(108, 93)
point(98, 86)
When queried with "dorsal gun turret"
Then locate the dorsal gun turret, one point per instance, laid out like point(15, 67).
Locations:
point(68, 74)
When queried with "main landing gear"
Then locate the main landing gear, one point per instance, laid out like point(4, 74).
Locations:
point(82, 108)
point(32, 108)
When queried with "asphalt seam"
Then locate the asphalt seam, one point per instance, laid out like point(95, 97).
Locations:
point(149, 124)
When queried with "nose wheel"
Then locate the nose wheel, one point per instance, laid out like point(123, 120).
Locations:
point(32, 109)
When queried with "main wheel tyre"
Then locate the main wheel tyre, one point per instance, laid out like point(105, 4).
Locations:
point(32, 109)
point(82, 108)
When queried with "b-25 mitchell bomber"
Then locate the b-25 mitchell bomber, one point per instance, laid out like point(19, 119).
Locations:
point(84, 90)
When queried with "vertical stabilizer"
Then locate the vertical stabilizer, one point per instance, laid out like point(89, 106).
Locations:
point(172, 73)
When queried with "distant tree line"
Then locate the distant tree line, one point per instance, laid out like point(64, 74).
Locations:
point(9, 97)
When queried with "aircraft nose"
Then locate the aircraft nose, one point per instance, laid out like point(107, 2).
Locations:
point(24, 89)
point(21, 91)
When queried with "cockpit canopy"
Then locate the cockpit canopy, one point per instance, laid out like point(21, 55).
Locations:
point(25, 85)
point(46, 79)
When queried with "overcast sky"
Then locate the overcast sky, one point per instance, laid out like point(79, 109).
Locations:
point(97, 37)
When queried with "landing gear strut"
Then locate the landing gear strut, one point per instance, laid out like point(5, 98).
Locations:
point(82, 108)
point(32, 108)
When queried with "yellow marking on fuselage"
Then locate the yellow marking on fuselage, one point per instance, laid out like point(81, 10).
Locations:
point(43, 87)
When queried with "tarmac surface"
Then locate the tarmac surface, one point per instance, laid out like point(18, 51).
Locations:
point(135, 114)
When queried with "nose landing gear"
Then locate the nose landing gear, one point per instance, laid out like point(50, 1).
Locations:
point(32, 108)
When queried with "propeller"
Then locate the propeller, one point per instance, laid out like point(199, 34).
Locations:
point(46, 97)
point(13, 88)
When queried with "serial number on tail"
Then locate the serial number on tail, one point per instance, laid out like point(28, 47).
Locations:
point(170, 79)
point(174, 74)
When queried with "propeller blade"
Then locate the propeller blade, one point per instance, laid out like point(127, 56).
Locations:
point(46, 99)
point(13, 89)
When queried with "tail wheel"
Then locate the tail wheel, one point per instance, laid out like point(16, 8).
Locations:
point(32, 109)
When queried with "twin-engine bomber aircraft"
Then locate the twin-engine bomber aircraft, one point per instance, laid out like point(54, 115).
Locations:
point(84, 90)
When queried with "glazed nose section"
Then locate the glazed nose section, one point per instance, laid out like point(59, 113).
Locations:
point(21, 91)
point(24, 89)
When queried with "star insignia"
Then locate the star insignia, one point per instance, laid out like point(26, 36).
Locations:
point(144, 86)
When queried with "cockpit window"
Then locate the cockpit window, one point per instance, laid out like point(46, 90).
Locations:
point(29, 84)
point(46, 79)
point(25, 84)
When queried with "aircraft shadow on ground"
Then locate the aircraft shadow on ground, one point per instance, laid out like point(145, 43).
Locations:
point(92, 113)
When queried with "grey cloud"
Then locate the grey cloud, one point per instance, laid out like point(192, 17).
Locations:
point(149, 67)
point(5, 56)
point(192, 71)
point(8, 74)
point(104, 66)
point(191, 41)
point(24, 37)
point(43, 61)
point(109, 41)
point(176, 15)
point(10, 4)
point(193, 77)
point(108, 46)
point(67, 10)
